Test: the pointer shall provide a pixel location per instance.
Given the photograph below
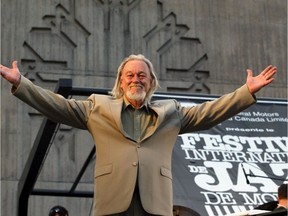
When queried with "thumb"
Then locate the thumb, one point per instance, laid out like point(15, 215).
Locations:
point(14, 65)
point(249, 73)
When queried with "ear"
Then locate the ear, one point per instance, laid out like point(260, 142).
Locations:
point(120, 84)
point(152, 81)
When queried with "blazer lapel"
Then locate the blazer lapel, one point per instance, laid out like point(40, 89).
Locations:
point(116, 109)
point(159, 111)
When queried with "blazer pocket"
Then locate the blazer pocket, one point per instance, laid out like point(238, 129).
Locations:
point(166, 172)
point(104, 170)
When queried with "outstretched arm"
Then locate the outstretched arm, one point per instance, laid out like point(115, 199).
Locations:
point(54, 106)
point(12, 75)
point(254, 84)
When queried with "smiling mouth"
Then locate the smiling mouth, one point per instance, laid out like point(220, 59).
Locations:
point(136, 86)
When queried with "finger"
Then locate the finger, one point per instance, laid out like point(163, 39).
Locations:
point(3, 68)
point(266, 69)
point(2, 71)
point(269, 81)
point(271, 73)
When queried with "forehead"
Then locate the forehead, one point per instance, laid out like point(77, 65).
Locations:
point(136, 66)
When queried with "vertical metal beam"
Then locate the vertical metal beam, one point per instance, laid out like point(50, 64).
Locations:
point(37, 155)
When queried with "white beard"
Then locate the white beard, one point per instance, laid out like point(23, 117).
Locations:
point(140, 97)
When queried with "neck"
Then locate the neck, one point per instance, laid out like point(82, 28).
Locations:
point(283, 202)
point(136, 104)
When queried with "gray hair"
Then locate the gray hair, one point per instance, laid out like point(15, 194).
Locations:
point(117, 92)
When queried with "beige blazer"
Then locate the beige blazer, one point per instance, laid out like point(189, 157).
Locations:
point(118, 157)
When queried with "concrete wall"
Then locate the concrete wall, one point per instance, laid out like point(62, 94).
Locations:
point(196, 46)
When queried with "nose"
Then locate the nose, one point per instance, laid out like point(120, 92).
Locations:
point(136, 79)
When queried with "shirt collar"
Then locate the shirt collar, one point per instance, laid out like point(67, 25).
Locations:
point(126, 104)
point(279, 205)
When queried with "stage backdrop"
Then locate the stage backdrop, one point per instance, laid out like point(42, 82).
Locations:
point(234, 166)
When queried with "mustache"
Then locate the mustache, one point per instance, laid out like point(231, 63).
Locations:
point(136, 85)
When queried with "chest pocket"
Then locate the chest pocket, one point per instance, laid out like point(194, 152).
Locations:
point(166, 172)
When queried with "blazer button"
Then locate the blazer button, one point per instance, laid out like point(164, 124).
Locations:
point(134, 163)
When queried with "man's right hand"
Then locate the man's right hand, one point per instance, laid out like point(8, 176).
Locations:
point(12, 75)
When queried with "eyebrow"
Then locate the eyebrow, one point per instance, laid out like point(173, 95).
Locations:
point(139, 72)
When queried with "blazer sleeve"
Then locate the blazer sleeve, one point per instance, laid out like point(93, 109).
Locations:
point(54, 106)
point(211, 113)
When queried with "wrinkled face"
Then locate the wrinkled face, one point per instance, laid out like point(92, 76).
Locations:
point(135, 80)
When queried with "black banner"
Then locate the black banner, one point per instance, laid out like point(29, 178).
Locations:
point(234, 166)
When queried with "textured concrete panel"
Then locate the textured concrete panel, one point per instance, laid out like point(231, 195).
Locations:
point(196, 46)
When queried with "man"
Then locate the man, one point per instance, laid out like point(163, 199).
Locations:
point(134, 136)
point(58, 211)
point(282, 199)
point(276, 208)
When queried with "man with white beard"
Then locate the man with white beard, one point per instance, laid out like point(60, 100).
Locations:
point(134, 136)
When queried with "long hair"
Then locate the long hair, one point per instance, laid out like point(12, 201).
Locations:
point(117, 92)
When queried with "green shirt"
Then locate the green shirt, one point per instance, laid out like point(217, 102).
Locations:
point(137, 122)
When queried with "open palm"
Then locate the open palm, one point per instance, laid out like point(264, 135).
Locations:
point(12, 75)
point(264, 78)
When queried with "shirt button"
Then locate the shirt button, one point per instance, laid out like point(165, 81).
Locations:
point(138, 146)
point(134, 163)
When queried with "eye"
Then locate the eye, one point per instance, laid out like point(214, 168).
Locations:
point(129, 75)
point(142, 75)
